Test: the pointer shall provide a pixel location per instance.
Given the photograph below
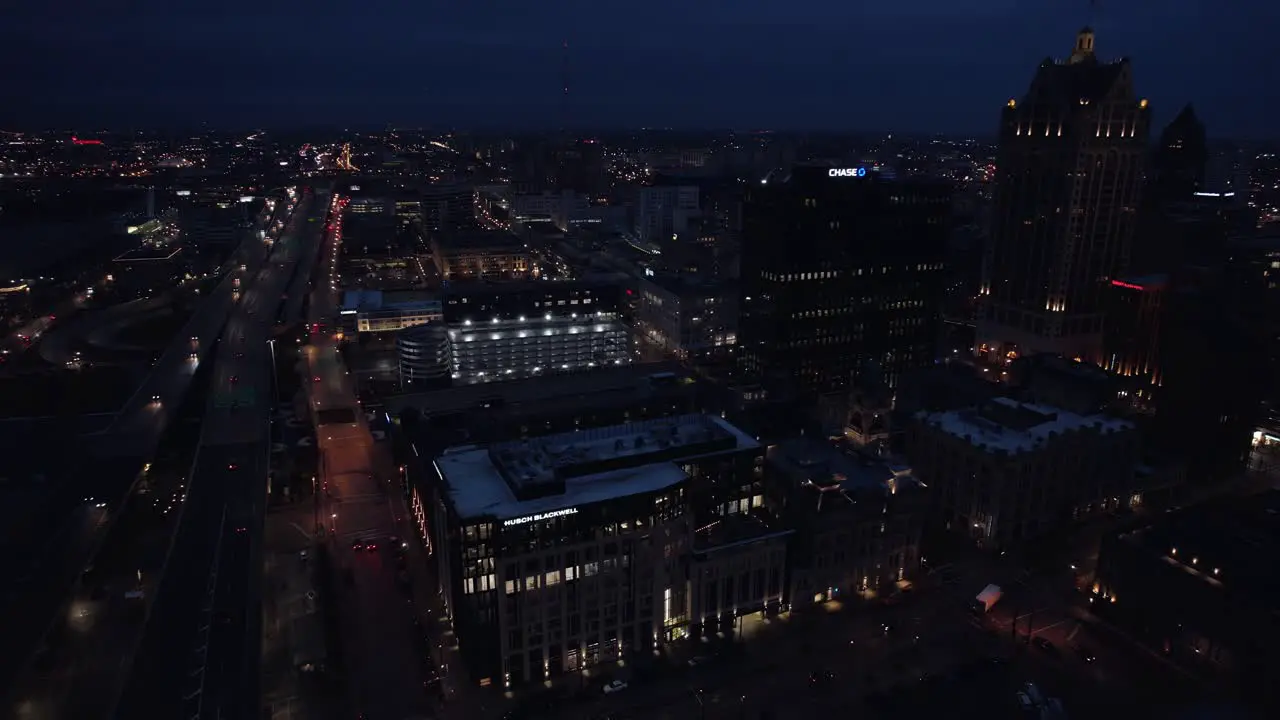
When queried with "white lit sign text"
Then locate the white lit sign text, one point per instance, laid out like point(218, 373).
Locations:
point(539, 517)
point(847, 172)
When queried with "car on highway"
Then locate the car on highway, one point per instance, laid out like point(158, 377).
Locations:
point(1086, 654)
point(233, 379)
point(155, 399)
point(357, 544)
point(821, 678)
point(1045, 645)
point(614, 686)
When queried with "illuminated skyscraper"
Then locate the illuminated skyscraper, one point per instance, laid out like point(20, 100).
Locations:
point(1069, 174)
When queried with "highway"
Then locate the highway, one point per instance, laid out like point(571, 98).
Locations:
point(199, 655)
point(138, 426)
point(83, 507)
point(386, 673)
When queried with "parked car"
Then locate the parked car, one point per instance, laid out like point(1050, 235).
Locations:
point(614, 686)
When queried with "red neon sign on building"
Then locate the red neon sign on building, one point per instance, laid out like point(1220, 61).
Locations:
point(1129, 285)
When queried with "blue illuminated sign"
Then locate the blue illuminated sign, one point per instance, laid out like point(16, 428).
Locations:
point(847, 172)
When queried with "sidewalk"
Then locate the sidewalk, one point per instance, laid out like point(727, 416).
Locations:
point(293, 627)
point(461, 696)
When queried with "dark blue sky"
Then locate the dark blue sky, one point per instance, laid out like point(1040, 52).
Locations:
point(908, 65)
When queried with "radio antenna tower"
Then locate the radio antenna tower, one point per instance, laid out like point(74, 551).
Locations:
point(564, 91)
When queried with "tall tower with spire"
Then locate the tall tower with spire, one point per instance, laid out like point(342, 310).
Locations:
point(1068, 177)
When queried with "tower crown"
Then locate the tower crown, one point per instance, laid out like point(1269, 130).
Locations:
point(1084, 46)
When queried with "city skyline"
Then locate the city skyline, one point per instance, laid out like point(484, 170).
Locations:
point(476, 66)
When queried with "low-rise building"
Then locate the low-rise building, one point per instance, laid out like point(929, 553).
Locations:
point(687, 317)
point(1008, 471)
point(480, 254)
point(1199, 586)
point(857, 521)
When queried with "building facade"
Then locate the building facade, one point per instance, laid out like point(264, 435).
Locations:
point(564, 552)
point(857, 521)
point(480, 255)
point(687, 317)
point(841, 266)
point(1006, 471)
point(1068, 177)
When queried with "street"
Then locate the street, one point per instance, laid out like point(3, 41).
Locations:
point(360, 502)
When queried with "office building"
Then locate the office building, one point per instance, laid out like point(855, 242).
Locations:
point(1216, 373)
point(1068, 176)
point(840, 266)
point(480, 255)
point(1131, 347)
point(1006, 471)
point(447, 208)
point(688, 317)
point(1180, 160)
point(666, 214)
point(564, 552)
point(1198, 586)
point(857, 521)
point(376, 311)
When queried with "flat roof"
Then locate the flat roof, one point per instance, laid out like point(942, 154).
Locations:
point(563, 389)
point(485, 480)
point(837, 477)
point(734, 531)
point(1220, 542)
point(1004, 424)
point(477, 489)
point(478, 240)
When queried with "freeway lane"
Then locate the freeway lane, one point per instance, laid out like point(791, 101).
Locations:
point(137, 428)
point(206, 621)
point(106, 465)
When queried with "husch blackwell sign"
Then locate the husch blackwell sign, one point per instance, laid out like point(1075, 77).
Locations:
point(539, 517)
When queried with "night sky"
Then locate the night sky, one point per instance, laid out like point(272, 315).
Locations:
point(906, 65)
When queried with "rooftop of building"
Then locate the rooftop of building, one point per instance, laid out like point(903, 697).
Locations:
point(543, 474)
point(477, 489)
point(678, 283)
point(609, 386)
point(736, 530)
point(838, 476)
point(1006, 425)
point(367, 300)
point(1225, 543)
point(477, 239)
